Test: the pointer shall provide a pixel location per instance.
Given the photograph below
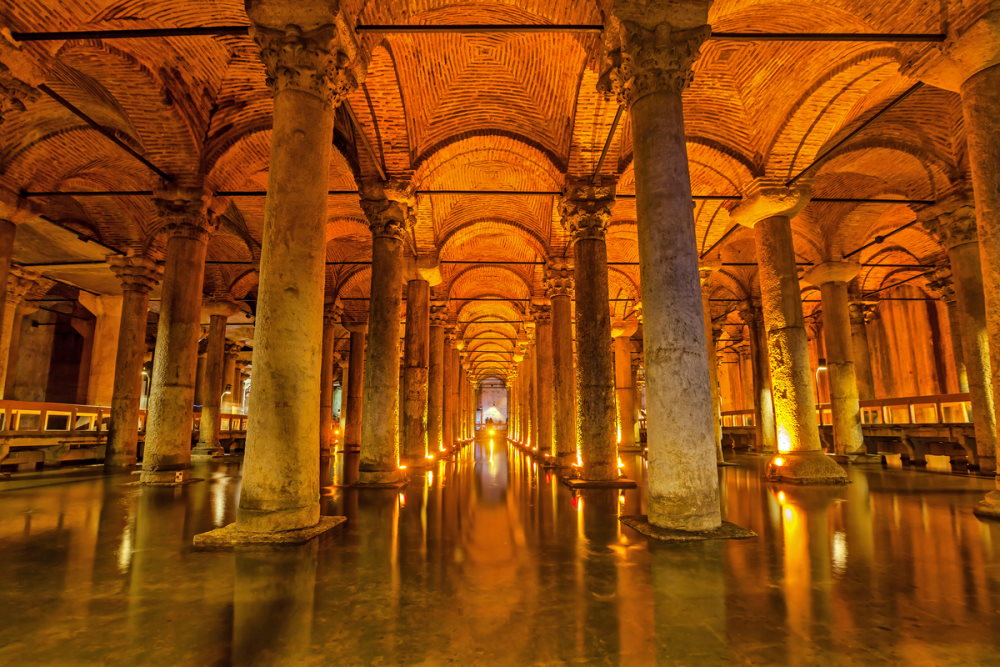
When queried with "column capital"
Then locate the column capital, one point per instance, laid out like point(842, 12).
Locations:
point(624, 328)
point(751, 313)
point(585, 208)
point(951, 221)
point(183, 212)
point(541, 312)
point(322, 61)
point(19, 78)
point(861, 312)
point(333, 313)
point(706, 268)
point(389, 208)
point(832, 272)
point(972, 45)
point(768, 198)
point(439, 312)
point(19, 283)
point(215, 307)
point(651, 47)
point(231, 350)
point(558, 279)
point(941, 284)
point(355, 326)
point(136, 273)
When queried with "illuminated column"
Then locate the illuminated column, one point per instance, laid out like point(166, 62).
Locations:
point(238, 378)
point(953, 224)
point(8, 231)
point(415, 372)
point(832, 279)
point(585, 211)
point(332, 315)
point(861, 314)
point(542, 312)
point(651, 49)
point(138, 276)
point(456, 360)
point(518, 358)
point(167, 452)
point(19, 283)
point(711, 334)
point(355, 385)
point(307, 52)
point(435, 376)
point(229, 357)
point(942, 287)
point(531, 407)
point(767, 209)
point(219, 313)
point(388, 220)
point(448, 380)
point(107, 308)
point(622, 332)
point(763, 402)
point(559, 289)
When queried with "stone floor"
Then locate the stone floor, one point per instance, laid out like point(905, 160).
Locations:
point(488, 560)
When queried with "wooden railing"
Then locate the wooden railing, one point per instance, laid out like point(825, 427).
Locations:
point(934, 409)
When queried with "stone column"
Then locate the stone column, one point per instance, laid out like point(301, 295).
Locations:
point(355, 386)
point(585, 211)
point(219, 312)
point(767, 208)
point(861, 314)
point(8, 231)
point(435, 376)
point(167, 452)
point(456, 360)
point(107, 308)
point(763, 401)
point(942, 287)
point(559, 288)
point(308, 52)
point(651, 49)
point(542, 313)
point(238, 378)
point(953, 223)
point(448, 398)
point(531, 395)
point(622, 332)
point(832, 278)
point(711, 335)
point(138, 276)
point(199, 373)
point(229, 374)
point(19, 283)
point(415, 371)
point(332, 314)
point(387, 220)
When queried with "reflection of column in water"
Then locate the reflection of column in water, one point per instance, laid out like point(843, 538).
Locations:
point(689, 603)
point(378, 568)
point(161, 584)
point(273, 596)
point(599, 601)
point(115, 540)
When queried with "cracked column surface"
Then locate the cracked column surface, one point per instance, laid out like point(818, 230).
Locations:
point(833, 278)
point(768, 208)
point(138, 276)
point(652, 48)
point(308, 52)
point(586, 211)
point(167, 451)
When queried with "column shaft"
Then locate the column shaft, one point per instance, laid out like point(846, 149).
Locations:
point(862, 352)
point(435, 386)
point(327, 360)
point(543, 371)
point(955, 326)
point(624, 391)
point(847, 434)
point(448, 403)
point(415, 372)
point(208, 431)
point(355, 389)
point(563, 381)
point(713, 375)
point(763, 396)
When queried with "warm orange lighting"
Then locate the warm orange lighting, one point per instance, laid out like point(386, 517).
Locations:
point(782, 497)
point(429, 457)
point(492, 431)
point(402, 500)
point(402, 466)
point(778, 461)
point(621, 464)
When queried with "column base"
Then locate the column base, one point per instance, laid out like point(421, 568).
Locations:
point(421, 462)
point(620, 483)
point(989, 507)
point(986, 464)
point(381, 479)
point(166, 477)
point(207, 452)
point(805, 468)
point(229, 537)
point(727, 531)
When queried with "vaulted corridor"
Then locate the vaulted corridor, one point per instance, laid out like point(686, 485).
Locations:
point(488, 559)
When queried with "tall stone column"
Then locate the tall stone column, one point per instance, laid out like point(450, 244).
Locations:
point(8, 231)
point(622, 332)
point(832, 278)
point(712, 333)
point(167, 452)
point(138, 276)
point(763, 402)
point(355, 385)
point(238, 379)
point(107, 308)
point(448, 398)
point(415, 371)
point(586, 211)
point(229, 376)
point(559, 289)
point(861, 314)
point(531, 395)
point(542, 312)
point(953, 223)
point(19, 283)
point(767, 209)
point(388, 220)
point(308, 52)
point(435, 376)
point(942, 287)
point(208, 445)
point(456, 415)
point(332, 314)
point(651, 49)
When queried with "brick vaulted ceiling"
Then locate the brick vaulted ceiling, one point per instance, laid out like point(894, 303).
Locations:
point(493, 111)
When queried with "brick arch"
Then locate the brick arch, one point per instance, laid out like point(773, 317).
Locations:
point(488, 280)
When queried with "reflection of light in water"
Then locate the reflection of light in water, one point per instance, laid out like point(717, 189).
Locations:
point(402, 500)
point(430, 478)
point(219, 501)
point(840, 551)
point(492, 462)
point(125, 549)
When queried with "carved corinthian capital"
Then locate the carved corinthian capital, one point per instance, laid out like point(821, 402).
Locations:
point(386, 218)
point(643, 58)
point(136, 273)
point(558, 279)
point(586, 209)
point(184, 212)
point(322, 62)
point(951, 222)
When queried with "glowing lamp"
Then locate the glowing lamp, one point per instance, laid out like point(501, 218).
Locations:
point(778, 461)
point(402, 466)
